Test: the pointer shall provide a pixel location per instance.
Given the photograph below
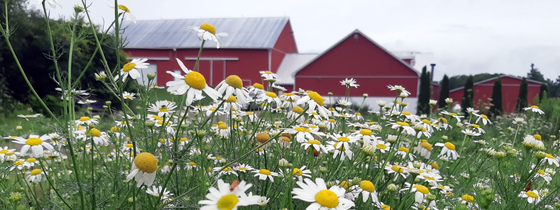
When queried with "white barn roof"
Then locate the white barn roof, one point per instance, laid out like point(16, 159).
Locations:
point(290, 64)
point(246, 33)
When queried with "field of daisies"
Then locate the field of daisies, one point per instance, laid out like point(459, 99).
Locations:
point(199, 149)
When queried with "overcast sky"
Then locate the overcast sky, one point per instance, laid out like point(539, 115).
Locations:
point(465, 36)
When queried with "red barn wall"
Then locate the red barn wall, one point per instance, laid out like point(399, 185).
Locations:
point(510, 93)
point(357, 57)
point(285, 44)
point(246, 63)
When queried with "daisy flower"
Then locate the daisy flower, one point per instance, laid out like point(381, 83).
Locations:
point(163, 107)
point(295, 112)
point(424, 149)
point(300, 173)
point(268, 76)
point(304, 132)
point(208, 32)
point(349, 83)
point(406, 129)
point(484, 119)
point(367, 189)
point(227, 196)
point(143, 169)
point(470, 132)
point(320, 197)
point(193, 84)
point(128, 96)
point(420, 192)
point(534, 109)
point(99, 138)
point(314, 101)
point(35, 175)
point(131, 69)
point(86, 121)
point(447, 151)
point(155, 190)
point(316, 145)
point(265, 174)
point(400, 90)
point(550, 160)
point(5, 153)
point(531, 195)
point(271, 97)
point(233, 85)
point(35, 145)
point(397, 170)
point(126, 13)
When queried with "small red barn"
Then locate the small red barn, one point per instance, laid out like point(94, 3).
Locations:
point(510, 92)
point(253, 45)
point(355, 56)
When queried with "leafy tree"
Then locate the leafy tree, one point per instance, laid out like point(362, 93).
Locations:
point(542, 91)
point(468, 94)
point(424, 95)
point(460, 80)
point(535, 74)
point(29, 38)
point(496, 108)
point(522, 98)
point(444, 93)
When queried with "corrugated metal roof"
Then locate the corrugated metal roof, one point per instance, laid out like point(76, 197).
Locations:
point(260, 33)
point(290, 64)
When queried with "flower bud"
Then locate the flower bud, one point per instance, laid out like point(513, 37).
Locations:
point(19, 128)
point(149, 123)
point(392, 188)
point(151, 76)
point(283, 163)
point(540, 155)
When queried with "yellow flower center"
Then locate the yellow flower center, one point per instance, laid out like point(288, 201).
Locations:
point(385, 207)
point(426, 121)
point(405, 113)
point(358, 114)
point(297, 109)
point(297, 172)
point(535, 107)
point(475, 125)
point(129, 145)
point(443, 120)
point(129, 66)
point(449, 145)
point(381, 146)
point(271, 94)
point(195, 80)
point(549, 156)
point(94, 132)
point(164, 109)
point(426, 145)
point(343, 139)
point(366, 132)
point(19, 162)
point(263, 137)
point(367, 186)
point(84, 119)
point(404, 149)
point(403, 124)
point(192, 164)
point(115, 129)
point(332, 120)
point(541, 172)
point(327, 198)
point(4, 151)
point(258, 86)
point(234, 81)
point(209, 28)
point(33, 141)
point(484, 116)
point(123, 8)
point(146, 162)
point(314, 142)
point(537, 137)
point(316, 97)
point(231, 99)
point(434, 165)
point(397, 169)
point(222, 126)
point(421, 188)
point(227, 202)
point(35, 172)
point(264, 171)
point(29, 160)
point(532, 194)
point(468, 198)
point(302, 129)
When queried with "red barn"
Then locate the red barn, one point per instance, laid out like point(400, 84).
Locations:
point(252, 45)
point(510, 92)
point(355, 56)
point(268, 44)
